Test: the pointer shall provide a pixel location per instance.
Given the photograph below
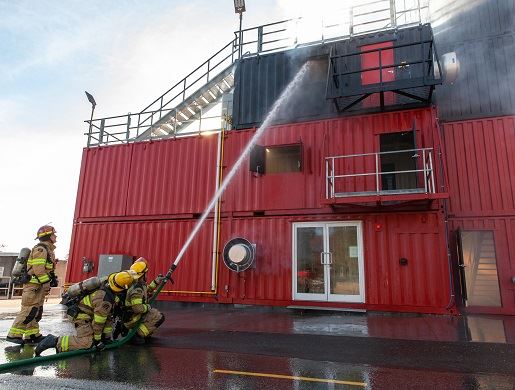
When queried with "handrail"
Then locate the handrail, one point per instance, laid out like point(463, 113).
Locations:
point(275, 36)
point(423, 166)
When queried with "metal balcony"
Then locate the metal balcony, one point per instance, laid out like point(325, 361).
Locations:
point(358, 178)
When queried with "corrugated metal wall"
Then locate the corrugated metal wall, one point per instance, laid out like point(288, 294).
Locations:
point(155, 185)
point(320, 139)
point(147, 178)
point(504, 238)
point(481, 169)
point(421, 285)
point(482, 33)
point(158, 241)
point(480, 157)
point(260, 80)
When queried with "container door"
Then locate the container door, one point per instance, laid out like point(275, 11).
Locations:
point(309, 276)
point(345, 266)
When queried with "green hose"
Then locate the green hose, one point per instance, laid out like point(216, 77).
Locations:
point(63, 355)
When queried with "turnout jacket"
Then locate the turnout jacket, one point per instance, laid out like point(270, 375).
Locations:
point(96, 308)
point(41, 262)
point(136, 301)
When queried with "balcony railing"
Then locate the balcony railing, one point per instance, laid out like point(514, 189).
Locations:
point(415, 176)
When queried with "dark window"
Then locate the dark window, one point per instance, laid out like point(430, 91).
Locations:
point(257, 159)
point(283, 159)
point(398, 167)
point(276, 159)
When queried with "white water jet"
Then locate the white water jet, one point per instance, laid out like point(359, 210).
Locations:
point(288, 91)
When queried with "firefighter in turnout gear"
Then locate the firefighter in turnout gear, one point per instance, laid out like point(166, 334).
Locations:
point(136, 306)
point(92, 319)
point(40, 277)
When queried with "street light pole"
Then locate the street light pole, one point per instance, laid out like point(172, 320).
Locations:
point(240, 37)
point(239, 8)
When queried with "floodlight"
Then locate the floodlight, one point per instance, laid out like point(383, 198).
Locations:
point(239, 6)
point(90, 98)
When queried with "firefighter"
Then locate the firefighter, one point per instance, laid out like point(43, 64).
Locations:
point(92, 318)
point(40, 275)
point(136, 306)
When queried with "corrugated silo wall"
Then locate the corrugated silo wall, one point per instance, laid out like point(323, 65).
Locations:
point(143, 199)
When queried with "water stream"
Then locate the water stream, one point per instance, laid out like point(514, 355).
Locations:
point(289, 91)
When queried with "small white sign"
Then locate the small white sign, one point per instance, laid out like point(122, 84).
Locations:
point(2, 271)
point(353, 251)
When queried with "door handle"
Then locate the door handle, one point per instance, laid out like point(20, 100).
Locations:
point(461, 265)
point(322, 258)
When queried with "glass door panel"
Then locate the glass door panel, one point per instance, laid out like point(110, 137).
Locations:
point(345, 266)
point(328, 262)
point(310, 273)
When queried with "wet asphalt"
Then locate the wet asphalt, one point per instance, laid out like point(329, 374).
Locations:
point(214, 349)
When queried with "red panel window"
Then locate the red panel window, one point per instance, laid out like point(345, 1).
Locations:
point(371, 60)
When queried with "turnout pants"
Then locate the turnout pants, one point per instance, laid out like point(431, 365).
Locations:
point(150, 323)
point(83, 339)
point(26, 323)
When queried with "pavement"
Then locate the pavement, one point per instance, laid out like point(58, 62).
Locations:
point(215, 346)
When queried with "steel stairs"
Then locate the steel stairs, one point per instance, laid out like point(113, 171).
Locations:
point(484, 282)
point(193, 107)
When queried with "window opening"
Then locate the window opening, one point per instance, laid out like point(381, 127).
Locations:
point(400, 157)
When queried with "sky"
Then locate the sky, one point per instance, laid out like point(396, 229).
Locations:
point(126, 53)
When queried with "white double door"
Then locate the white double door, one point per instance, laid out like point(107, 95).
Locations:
point(328, 262)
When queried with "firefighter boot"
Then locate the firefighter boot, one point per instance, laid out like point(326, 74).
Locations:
point(49, 341)
point(34, 339)
point(16, 340)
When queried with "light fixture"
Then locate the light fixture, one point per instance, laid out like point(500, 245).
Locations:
point(91, 99)
point(239, 6)
point(87, 265)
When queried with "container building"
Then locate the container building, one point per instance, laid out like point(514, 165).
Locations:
point(385, 180)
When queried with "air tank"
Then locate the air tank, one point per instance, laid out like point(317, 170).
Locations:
point(21, 262)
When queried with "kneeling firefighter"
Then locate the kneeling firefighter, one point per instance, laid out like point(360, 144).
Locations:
point(91, 317)
point(136, 307)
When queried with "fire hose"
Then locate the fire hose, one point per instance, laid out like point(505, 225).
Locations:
point(37, 360)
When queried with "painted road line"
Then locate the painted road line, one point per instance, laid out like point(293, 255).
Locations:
point(298, 378)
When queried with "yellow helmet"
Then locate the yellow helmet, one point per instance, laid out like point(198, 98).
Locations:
point(120, 281)
point(139, 267)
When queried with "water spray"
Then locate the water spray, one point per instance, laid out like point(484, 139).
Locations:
point(290, 90)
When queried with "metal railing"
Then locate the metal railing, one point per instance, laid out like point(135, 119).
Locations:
point(357, 20)
point(198, 126)
point(371, 183)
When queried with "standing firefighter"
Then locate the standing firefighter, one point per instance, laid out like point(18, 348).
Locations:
point(92, 317)
point(136, 306)
point(40, 276)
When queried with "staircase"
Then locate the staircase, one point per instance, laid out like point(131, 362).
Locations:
point(192, 108)
point(481, 273)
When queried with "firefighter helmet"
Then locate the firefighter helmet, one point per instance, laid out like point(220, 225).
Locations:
point(139, 267)
point(45, 230)
point(120, 281)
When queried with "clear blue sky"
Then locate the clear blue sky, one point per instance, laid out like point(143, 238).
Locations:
point(125, 52)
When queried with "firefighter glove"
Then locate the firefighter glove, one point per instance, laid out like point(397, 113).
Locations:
point(159, 279)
